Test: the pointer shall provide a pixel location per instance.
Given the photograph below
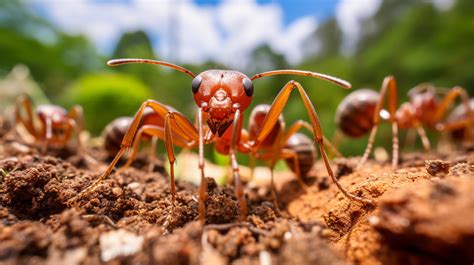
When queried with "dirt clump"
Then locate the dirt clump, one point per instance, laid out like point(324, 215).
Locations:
point(435, 219)
point(435, 167)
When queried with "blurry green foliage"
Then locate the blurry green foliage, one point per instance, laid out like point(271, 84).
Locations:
point(98, 94)
point(53, 57)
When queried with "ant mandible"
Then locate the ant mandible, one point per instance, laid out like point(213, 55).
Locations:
point(360, 113)
point(221, 96)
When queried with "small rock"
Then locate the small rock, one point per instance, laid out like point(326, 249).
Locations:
point(117, 191)
point(435, 167)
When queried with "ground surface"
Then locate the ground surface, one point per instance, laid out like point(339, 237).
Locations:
point(424, 214)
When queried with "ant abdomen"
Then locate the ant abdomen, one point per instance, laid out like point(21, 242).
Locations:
point(114, 133)
point(304, 148)
point(257, 116)
point(355, 113)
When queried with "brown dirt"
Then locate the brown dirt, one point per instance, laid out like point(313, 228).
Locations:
point(419, 218)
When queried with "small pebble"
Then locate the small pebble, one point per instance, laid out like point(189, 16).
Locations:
point(435, 167)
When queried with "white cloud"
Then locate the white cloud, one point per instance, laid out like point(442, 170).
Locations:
point(443, 4)
point(185, 31)
point(349, 14)
point(292, 41)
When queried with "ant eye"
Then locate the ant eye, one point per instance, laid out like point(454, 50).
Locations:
point(196, 83)
point(248, 87)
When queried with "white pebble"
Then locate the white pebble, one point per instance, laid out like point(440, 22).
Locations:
point(119, 243)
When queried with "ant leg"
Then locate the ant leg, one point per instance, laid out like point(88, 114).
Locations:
point(448, 100)
point(48, 123)
point(388, 84)
point(152, 154)
point(171, 156)
point(239, 190)
point(424, 139)
point(181, 127)
point(368, 149)
point(290, 154)
point(252, 164)
point(156, 132)
point(444, 105)
point(272, 117)
point(203, 183)
point(298, 125)
point(274, 191)
point(455, 125)
point(25, 102)
point(77, 114)
point(135, 148)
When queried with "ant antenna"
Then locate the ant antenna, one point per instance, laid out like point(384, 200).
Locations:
point(334, 80)
point(116, 62)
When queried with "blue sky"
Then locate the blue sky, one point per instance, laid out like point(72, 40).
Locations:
point(200, 30)
point(321, 9)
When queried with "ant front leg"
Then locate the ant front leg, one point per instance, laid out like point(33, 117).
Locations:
point(390, 85)
point(272, 117)
point(239, 189)
point(24, 102)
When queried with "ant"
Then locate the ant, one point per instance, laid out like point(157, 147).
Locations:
point(360, 112)
point(150, 125)
point(221, 96)
point(57, 125)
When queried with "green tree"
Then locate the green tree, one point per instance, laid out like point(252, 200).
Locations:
point(137, 44)
point(326, 39)
point(105, 97)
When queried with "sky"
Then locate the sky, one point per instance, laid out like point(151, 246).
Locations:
point(227, 31)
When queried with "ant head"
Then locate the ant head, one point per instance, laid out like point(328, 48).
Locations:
point(56, 114)
point(421, 89)
point(220, 93)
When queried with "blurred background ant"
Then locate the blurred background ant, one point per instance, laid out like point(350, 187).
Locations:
point(57, 126)
point(361, 112)
point(150, 126)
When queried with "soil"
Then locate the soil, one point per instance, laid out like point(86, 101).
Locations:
point(424, 213)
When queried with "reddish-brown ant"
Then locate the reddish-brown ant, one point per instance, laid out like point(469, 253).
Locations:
point(115, 131)
point(222, 96)
point(57, 125)
point(360, 113)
